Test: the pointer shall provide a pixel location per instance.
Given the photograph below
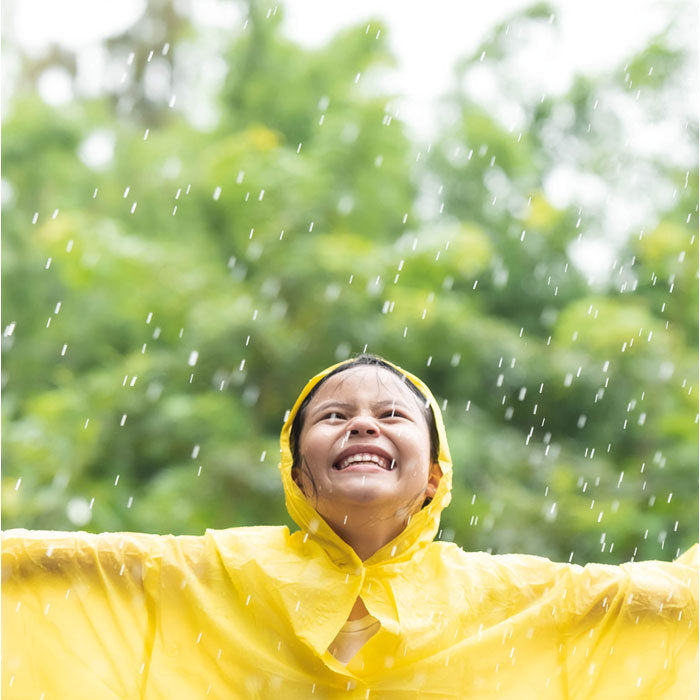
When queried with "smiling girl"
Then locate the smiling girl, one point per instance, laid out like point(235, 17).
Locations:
point(360, 602)
point(365, 451)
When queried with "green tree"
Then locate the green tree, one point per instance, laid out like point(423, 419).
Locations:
point(164, 308)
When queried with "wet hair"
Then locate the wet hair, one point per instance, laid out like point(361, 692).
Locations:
point(365, 359)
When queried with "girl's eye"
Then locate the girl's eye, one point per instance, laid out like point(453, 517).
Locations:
point(393, 414)
point(333, 415)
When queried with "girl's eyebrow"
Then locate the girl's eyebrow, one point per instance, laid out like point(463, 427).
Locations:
point(334, 403)
point(328, 404)
point(393, 403)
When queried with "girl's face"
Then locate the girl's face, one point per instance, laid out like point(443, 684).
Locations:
point(365, 440)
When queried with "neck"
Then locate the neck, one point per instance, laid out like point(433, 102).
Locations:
point(366, 532)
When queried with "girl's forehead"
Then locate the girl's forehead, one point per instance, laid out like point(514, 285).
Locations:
point(376, 383)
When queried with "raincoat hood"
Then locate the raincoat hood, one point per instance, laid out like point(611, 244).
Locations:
point(423, 526)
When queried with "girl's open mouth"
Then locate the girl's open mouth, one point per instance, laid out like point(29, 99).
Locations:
point(365, 461)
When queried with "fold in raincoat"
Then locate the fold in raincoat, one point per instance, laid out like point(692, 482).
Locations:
point(250, 613)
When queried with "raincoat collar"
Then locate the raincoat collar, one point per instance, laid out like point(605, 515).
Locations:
point(423, 525)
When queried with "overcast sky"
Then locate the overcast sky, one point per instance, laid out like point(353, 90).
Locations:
point(428, 38)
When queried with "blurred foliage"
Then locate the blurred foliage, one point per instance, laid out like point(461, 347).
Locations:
point(163, 309)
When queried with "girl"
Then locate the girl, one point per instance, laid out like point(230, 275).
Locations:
point(360, 602)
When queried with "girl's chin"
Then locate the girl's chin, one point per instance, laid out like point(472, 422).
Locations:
point(360, 492)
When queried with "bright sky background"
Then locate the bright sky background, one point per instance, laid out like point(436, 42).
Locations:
point(595, 35)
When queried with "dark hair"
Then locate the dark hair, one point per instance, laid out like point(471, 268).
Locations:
point(372, 361)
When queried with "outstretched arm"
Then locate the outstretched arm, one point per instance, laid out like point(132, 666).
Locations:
point(77, 618)
point(632, 629)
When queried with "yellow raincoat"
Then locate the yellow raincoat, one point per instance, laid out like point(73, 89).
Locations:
point(250, 613)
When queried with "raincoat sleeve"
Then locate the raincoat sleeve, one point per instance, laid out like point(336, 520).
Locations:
point(631, 628)
point(77, 618)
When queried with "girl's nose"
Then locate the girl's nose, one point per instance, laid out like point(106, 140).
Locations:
point(364, 425)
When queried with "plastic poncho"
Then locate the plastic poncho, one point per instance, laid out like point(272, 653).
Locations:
point(250, 613)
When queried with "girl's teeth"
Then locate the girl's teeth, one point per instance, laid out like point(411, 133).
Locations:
point(366, 457)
